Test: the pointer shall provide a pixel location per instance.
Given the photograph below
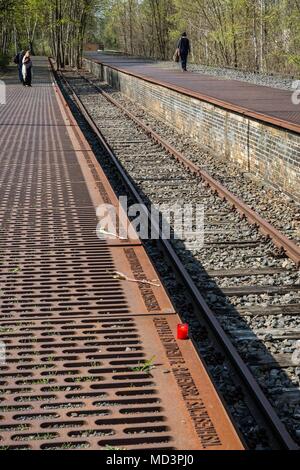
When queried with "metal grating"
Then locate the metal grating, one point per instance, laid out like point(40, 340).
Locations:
point(76, 337)
point(71, 383)
point(82, 383)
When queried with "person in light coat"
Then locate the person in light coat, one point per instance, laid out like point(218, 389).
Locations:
point(26, 69)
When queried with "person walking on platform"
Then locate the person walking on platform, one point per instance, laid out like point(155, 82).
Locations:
point(19, 61)
point(184, 49)
point(26, 69)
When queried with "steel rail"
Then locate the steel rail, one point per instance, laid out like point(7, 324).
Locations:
point(260, 406)
point(291, 249)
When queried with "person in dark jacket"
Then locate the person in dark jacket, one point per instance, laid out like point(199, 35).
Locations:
point(19, 61)
point(184, 48)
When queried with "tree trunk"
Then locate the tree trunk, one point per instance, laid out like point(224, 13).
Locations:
point(262, 28)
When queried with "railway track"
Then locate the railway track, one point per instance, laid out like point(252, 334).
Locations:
point(238, 282)
point(269, 202)
point(88, 356)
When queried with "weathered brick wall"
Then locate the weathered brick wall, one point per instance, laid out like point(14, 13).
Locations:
point(260, 148)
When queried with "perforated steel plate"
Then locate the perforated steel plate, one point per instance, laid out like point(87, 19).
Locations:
point(83, 383)
point(74, 279)
point(77, 337)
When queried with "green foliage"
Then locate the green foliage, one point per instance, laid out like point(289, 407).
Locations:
point(145, 366)
point(294, 59)
point(254, 34)
point(4, 60)
point(57, 27)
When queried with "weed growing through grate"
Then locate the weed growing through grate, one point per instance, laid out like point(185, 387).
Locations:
point(19, 427)
point(66, 446)
point(146, 366)
point(90, 378)
point(7, 409)
point(36, 382)
point(60, 388)
point(37, 436)
point(61, 406)
point(92, 433)
point(20, 390)
point(43, 366)
point(106, 403)
point(23, 427)
point(54, 372)
point(7, 330)
point(15, 270)
point(95, 364)
point(32, 398)
point(107, 447)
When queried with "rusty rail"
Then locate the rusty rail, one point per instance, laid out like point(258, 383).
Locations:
point(279, 239)
point(259, 404)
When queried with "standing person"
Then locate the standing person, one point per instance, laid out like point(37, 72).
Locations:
point(184, 49)
point(19, 61)
point(26, 69)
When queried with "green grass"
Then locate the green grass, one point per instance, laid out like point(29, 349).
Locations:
point(145, 366)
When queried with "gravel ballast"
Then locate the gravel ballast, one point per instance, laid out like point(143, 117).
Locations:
point(159, 179)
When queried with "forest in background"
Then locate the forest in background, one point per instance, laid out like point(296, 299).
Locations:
point(261, 35)
point(48, 27)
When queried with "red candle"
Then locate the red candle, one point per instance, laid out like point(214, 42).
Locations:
point(182, 331)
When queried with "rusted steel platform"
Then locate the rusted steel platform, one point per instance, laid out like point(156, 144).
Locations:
point(77, 338)
point(267, 104)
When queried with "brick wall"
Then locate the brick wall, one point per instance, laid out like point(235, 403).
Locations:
point(266, 151)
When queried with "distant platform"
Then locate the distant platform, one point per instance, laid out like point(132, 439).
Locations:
point(268, 104)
